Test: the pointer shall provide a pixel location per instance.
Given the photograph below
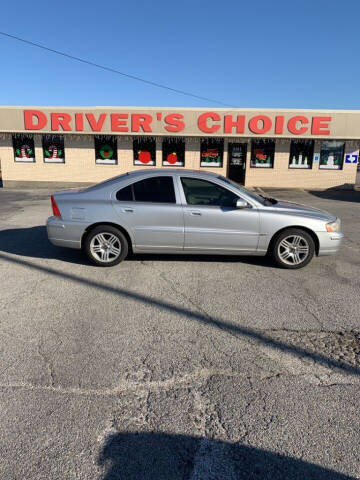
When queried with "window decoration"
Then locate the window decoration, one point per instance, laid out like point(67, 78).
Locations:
point(332, 155)
point(53, 148)
point(173, 152)
point(144, 151)
point(24, 148)
point(262, 153)
point(301, 154)
point(212, 151)
point(106, 150)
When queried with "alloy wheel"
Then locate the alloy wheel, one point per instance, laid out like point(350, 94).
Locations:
point(105, 247)
point(293, 249)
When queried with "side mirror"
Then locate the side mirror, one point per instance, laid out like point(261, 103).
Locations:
point(242, 204)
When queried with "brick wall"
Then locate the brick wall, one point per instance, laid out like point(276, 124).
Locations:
point(80, 164)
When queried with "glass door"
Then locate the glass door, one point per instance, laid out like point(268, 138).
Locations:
point(237, 162)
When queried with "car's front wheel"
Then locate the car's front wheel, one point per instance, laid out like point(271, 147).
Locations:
point(293, 248)
point(106, 246)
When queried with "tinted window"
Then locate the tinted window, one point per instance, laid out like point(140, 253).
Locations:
point(155, 189)
point(125, 194)
point(202, 192)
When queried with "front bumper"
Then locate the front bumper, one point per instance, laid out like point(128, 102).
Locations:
point(64, 234)
point(329, 243)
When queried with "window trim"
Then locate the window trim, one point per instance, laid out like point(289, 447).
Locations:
point(141, 180)
point(42, 148)
point(312, 157)
point(220, 141)
point(251, 154)
point(342, 156)
point(213, 183)
point(166, 139)
point(147, 139)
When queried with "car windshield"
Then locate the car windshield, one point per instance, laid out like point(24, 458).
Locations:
point(254, 196)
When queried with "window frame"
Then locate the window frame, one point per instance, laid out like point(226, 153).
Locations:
point(147, 202)
point(106, 139)
point(342, 156)
point(310, 159)
point(151, 140)
point(24, 136)
point(253, 141)
point(213, 183)
point(210, 140)
point(174, 140)
point(44, 140)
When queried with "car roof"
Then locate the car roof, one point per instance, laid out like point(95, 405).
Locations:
point(168, 171)
point(148, 172)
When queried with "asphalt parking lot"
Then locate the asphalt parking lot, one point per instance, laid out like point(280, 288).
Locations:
point(177, 367)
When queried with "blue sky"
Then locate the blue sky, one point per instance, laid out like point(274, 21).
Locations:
point(258, 53)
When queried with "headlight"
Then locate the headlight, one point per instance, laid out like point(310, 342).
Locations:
point(334, 226)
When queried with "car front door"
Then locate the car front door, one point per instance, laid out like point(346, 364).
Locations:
point(152, 210)
point(212, 221)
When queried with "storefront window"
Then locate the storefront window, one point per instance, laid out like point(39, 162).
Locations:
point(24, 148)
point(212, 151)
point(173, 152)
point(262, 153)
point(144, 151)
point(53, 148)
point(106, 150)
point(332, 155)
point(301, 153)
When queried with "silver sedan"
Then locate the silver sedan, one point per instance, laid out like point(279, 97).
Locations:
point(183, 211)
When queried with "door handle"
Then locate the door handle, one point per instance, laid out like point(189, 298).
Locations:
point(128, 210)
point(195, 212)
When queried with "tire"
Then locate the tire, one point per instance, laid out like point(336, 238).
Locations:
point(293, 248)
point(106, 246)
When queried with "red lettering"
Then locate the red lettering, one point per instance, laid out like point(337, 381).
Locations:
point(293, 125)
point(254, 124)
point(279, 125)
point(142, 121)
point(229, 124)
point(119, 122)
point(60, 120)
point(174, 122)
point(79, 122)
point(96, 125)
point(202, 122)
point(40, 119)
point(318, 125)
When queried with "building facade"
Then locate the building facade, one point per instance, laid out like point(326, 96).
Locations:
point(73, 146)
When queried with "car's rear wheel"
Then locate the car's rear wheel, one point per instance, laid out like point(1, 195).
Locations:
point(106, 246)
point(293, 248)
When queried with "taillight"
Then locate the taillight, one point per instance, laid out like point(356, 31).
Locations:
point(55, 208)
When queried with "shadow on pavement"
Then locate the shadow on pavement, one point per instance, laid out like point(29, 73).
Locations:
point(340, 194)
point(33, 242)
point(161, 456)
point(191, 315)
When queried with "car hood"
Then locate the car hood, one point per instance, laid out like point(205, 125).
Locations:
point(302, 210)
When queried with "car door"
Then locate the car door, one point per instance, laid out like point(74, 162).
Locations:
point(212, 221)
point(152, 210)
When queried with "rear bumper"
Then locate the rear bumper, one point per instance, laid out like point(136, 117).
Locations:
point(64, 234)
point(329, 243)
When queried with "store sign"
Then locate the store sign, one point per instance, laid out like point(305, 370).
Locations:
point(165, 122)
point(351, 158)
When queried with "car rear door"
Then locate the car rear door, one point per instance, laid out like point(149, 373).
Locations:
point(151, 208)
point(212, 221)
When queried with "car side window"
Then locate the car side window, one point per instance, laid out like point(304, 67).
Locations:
point(202, 192)
point(125, 194)
point(153, 189)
